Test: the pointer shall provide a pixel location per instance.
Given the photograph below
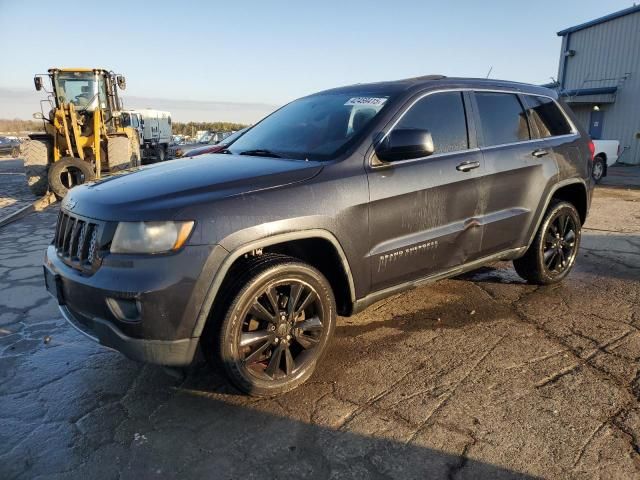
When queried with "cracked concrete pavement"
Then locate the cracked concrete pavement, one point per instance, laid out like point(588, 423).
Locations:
point(479, 376)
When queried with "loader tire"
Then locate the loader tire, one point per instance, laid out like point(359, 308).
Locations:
point(119, 153)
point(37, 154)
point(67, 173)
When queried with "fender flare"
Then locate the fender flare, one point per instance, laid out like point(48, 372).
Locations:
point(556, 187)
point(243, 249)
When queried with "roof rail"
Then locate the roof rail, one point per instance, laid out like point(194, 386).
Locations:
point(428, 77)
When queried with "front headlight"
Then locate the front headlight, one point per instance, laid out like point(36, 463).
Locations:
point(150, 237)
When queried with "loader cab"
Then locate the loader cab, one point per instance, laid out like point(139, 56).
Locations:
point(85, 90)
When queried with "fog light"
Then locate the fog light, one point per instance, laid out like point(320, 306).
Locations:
point(125, 310)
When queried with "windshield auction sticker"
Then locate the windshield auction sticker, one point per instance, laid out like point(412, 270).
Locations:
point(373, 101)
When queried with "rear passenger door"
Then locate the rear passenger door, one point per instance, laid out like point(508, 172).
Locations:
point(421, 211)
point(517, 168)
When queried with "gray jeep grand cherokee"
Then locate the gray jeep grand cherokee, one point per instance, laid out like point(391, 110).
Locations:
point(328, 205)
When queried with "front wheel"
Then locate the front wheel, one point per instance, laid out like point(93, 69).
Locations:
point(553, 252)
point(276, 327)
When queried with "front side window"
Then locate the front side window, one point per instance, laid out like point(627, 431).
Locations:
point(502, 117)
point(547, 117)
point(444, 116)
point(318, 127)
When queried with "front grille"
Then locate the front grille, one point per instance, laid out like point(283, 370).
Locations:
point(76, 242)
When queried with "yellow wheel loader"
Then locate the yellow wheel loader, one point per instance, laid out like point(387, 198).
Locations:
point(85, 136)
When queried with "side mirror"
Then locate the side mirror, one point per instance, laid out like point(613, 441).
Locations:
point(405, 144)
point(122, 82)
point(38, 116)
point(37, 81)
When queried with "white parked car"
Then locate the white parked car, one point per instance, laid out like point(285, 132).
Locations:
point(606, 154)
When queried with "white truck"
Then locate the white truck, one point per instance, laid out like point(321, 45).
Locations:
point(606, 154)
point(155, 131)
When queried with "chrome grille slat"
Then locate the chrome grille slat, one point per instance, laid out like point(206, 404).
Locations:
point(80, 251)
point(67, 236)
point(76, 241)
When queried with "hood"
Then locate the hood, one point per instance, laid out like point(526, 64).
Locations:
point(159, 191)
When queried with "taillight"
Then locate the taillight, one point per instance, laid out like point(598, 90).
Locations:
point(592, 149)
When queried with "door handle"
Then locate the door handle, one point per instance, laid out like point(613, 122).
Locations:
point(541, 152)
point(466, 166)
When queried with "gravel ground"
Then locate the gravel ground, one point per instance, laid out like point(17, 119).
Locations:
point(476, 377)
point(13, 191)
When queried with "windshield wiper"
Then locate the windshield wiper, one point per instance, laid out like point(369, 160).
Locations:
point(261, 152)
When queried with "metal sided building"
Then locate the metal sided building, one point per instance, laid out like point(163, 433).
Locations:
point(599, 76)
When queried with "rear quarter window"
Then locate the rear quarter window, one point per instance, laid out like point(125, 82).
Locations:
point(502, 117)
point(545, 114)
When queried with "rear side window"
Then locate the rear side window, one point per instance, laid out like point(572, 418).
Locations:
point(443, 115)
point(545, 114)
point(503, 118)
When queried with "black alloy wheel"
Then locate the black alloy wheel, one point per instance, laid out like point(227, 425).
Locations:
point(276, 326)
point(554, 249)
point(559, 246)
point(281, 330)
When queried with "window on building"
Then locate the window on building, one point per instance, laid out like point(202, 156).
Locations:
point(503, 118)
point(444, 116)
point(547, 117)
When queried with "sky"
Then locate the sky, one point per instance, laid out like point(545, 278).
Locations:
point(241, 59)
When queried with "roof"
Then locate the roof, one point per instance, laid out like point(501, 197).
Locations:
point(597, 21)
point(431, 81)
point(81, 69)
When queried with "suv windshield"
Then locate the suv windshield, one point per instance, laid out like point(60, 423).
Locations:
point(315, 128)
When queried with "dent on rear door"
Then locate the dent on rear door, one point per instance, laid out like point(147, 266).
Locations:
point(513, 187)
point(518, 169)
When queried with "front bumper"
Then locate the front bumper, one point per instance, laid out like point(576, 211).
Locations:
point(143, 306)
point(162, 352)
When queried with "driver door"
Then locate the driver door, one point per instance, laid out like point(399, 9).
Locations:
point(423, 211)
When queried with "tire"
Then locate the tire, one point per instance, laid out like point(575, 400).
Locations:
point(135, 153)
point(285, 346)
point(119, 153)
point(599, 166)
point(37, 154)
point(161, 153)
point(554, 250)
point(68, 173)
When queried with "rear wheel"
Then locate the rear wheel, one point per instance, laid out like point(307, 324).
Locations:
point(598, 168)
point(68, 173)
point(37, 154)
point(161, 153)
point(135, 153)
point(280, 317)
point(553, 252)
